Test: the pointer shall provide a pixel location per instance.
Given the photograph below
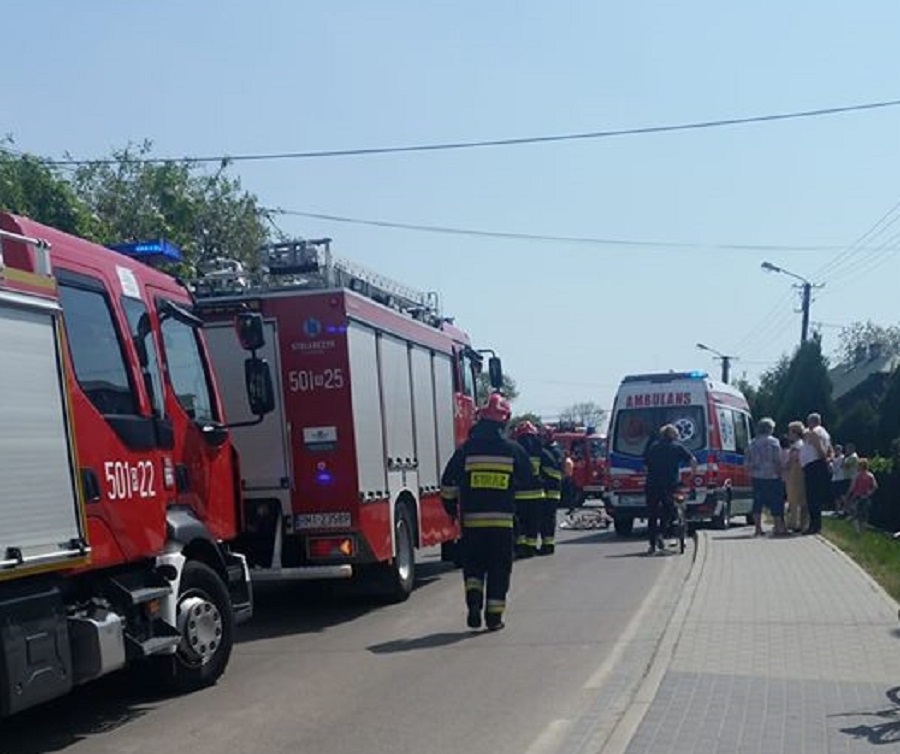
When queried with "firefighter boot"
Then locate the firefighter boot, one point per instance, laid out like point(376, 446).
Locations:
point(548, 547)
point(493, 615)
point(523, 549)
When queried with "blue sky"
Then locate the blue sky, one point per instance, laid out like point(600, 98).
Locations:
point(214, 76)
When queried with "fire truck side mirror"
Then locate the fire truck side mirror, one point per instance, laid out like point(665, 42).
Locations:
point(250, 332)
point(495, 372)
point(260, 391)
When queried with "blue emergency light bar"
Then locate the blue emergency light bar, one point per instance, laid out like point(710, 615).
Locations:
point(151, 252)
point(666, 376)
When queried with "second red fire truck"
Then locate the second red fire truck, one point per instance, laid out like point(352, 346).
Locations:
point(374, 391)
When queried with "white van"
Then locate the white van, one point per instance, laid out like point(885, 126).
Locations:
point(713, 422)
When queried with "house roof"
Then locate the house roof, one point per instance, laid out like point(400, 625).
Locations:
point(847, 377)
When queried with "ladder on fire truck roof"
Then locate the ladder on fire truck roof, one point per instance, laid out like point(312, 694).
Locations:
point(41, 248)
point(309, 264)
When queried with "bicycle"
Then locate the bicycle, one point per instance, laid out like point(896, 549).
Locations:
point(676, 526)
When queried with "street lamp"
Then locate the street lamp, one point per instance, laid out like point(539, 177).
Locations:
point(726, 360)
point(806, 288)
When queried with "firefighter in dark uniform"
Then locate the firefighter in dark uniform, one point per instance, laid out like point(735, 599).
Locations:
point(480, 484)
point(531, 503)
point(552, 476)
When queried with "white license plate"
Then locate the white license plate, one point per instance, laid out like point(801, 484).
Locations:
point(626, 501)
point(339, 520)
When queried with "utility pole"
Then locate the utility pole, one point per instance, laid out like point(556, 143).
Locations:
point(726, 361)
point(806, 295)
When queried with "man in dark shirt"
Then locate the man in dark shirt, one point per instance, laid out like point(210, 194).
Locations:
point(664, 459)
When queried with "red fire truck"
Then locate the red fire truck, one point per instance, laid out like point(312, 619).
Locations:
point(374, 391)
point(110, 552)
point(587, 450)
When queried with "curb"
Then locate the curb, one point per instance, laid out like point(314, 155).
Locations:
point(628, 723)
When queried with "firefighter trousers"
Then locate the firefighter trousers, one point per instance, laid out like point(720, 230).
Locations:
point(528, 523)
point(548, 525)
point(487, 559)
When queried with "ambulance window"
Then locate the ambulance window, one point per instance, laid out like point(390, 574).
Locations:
point(187, 371)
point(141, 332)
point(96, 349)
point(741, 432)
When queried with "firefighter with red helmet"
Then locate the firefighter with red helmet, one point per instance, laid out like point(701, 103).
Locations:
point(543, 495)
point(480, 484)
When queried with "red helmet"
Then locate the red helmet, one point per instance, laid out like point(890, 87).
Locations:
point(524, 428)
point(547, 432)
point(497, 409)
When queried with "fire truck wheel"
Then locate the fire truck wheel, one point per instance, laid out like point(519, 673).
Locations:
point(402, 573)
point(205, 622)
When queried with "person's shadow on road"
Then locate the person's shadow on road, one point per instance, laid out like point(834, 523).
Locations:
point(430, 641)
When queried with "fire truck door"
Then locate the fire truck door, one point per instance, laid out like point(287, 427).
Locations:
point(203, 464)
point(397, 400)
point(118, 444)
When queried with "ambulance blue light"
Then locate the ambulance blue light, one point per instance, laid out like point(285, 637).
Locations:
point(697, 375)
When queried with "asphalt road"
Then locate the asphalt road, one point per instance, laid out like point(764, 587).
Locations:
point(321, 669)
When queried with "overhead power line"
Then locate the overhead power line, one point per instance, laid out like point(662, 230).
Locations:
point(846, 260)
point(504, 142)
point(538, 237)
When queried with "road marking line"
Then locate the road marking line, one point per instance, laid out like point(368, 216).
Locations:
point(551, 738)
point(599, 676)
point(628, 724)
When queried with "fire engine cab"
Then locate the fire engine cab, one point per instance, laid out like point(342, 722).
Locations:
point(587, 449)
point(374, 391)
point(119, 478)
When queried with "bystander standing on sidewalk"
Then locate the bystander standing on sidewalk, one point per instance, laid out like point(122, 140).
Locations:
point(851, 465)
point(764, 463)
point(840, 482)
point(814, 456)
point(797, 513)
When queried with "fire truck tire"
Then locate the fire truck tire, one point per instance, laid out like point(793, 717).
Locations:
point(401, 573)
point(206, 623)
point(623, 526)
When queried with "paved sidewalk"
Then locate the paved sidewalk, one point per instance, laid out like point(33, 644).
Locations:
point(786, 646)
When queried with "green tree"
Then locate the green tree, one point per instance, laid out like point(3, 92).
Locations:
point(528, 416)
point(750, 392)
point(483, 387)
point(859, 335)
point(205, 214)
point(765, 400)
point(806, 388)
point(859, 425)
point(32, 188)
point(889, 414)
point(586, 413)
